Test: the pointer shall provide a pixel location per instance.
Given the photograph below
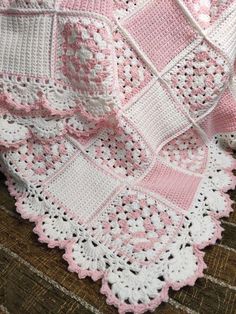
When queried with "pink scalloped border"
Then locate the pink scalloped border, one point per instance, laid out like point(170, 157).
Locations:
point(95, 275)
point(41, 108)
point(42, 104)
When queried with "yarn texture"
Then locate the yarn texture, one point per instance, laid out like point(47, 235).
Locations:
point(117, 131)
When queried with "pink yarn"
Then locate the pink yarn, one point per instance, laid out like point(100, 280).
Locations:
point(117, 124)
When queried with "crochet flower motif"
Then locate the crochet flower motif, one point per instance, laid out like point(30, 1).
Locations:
point(138, 244)
point(122, 151)
point(207, 11)
point(199, 79)
point(86, 54)
point(72, 73)
point(86, 63)
point(186, 152)
point(133, 75)
point(129, 123)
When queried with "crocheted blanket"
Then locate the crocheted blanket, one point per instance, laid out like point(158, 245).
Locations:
point(117, 124)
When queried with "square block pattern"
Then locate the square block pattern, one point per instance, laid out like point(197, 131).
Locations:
point(224, 31)
point(156, 116)
point(133, 73)
point(85, 55)
point(161, 31)
point(39, 162)
point(29, 35)
point(82, 185)
point(199, 78)
point(124, 153)
point(104, 7)
point(160, 180)
point(137, 225)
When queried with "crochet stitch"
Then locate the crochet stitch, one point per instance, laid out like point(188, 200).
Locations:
point(117, 124)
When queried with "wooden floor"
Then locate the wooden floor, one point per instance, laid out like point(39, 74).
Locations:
point(34, 279)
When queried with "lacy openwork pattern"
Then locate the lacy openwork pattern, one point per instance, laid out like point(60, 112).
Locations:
point(117, 124)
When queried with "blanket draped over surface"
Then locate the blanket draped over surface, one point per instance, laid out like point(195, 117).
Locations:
point(117, 130)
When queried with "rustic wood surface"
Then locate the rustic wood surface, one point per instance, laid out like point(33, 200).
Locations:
point(35, 280)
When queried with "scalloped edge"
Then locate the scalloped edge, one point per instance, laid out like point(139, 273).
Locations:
point(95, 275)
point(110, 120)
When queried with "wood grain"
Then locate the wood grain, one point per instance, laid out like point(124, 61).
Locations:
point(26, 292)
point(232, 217)
point(35, 279)
point(207, 297)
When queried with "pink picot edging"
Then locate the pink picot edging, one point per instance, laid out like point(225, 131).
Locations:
point(95, 275)
point(42, 109)
point(42, 106)
point(139, 309)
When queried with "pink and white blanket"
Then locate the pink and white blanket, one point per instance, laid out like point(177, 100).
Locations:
point(117, 124)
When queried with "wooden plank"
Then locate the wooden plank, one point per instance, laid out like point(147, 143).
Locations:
point(221, 264)
point(24, 243)
point(232, 193)
point(25, 292)
point(20, 240)
point(229, 238)
point(232, 217)
point(207, 297)
point(5, 197)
